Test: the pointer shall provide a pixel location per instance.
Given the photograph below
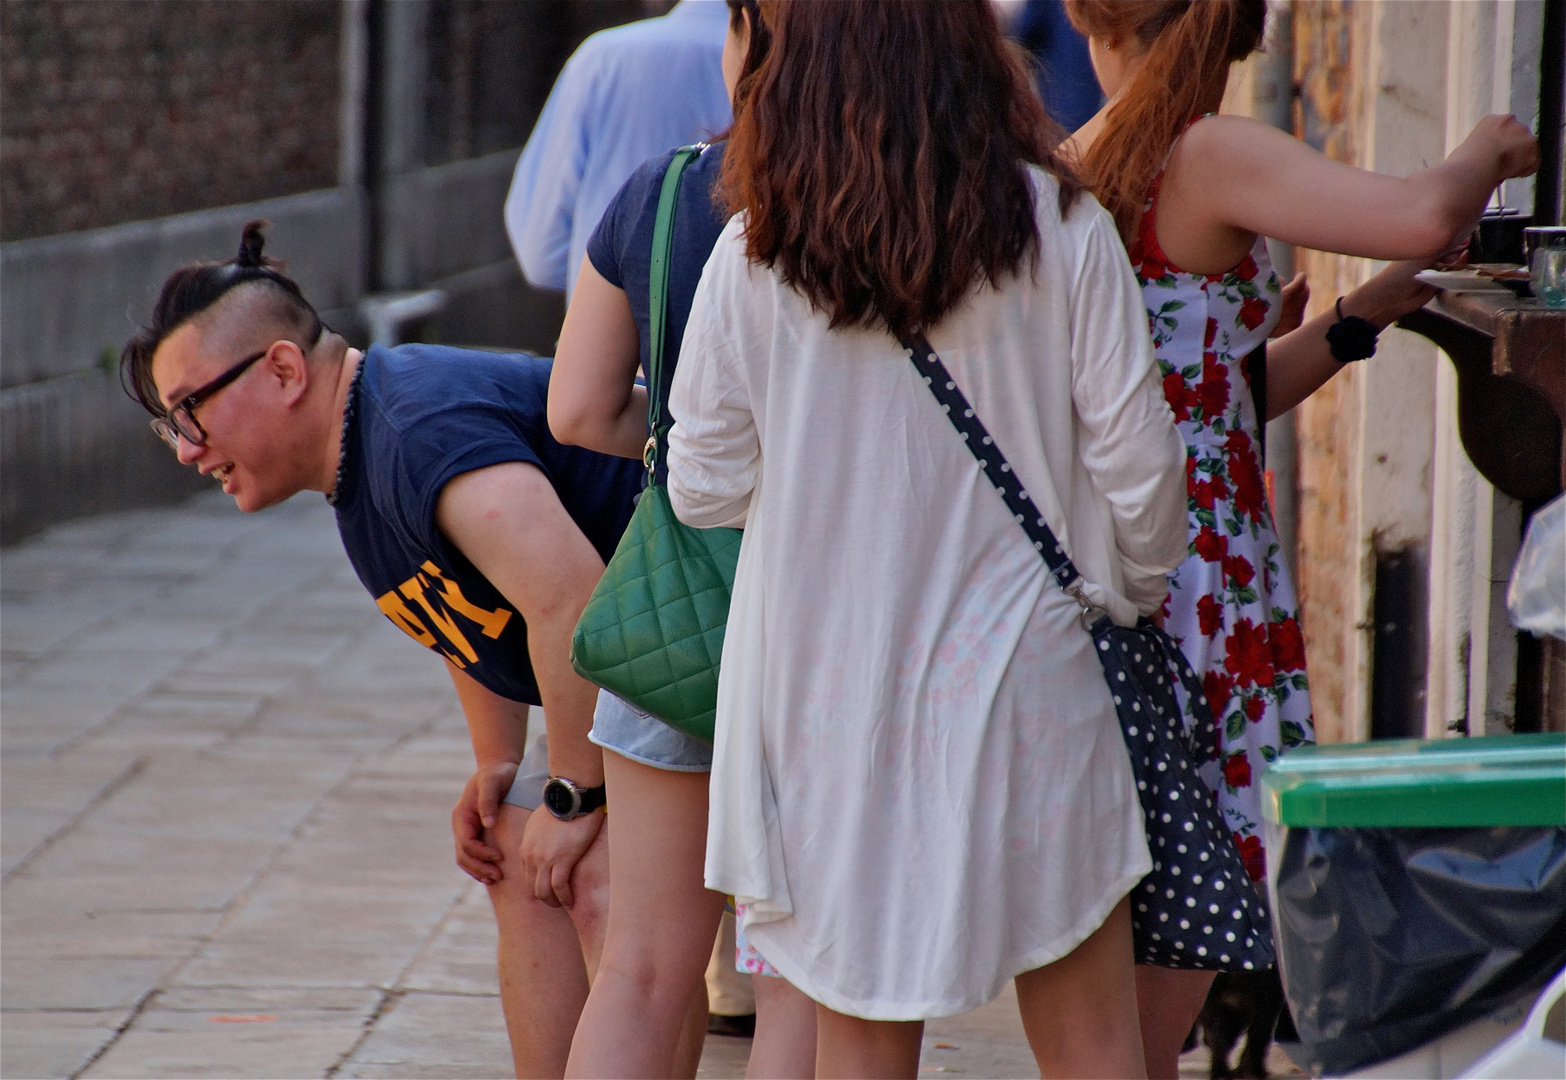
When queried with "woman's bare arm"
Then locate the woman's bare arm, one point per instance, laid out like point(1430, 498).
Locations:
point(593, 397)
point(1231, 178)
point(1300, 362)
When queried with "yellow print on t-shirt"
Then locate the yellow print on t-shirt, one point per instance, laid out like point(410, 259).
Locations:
point(436, 601)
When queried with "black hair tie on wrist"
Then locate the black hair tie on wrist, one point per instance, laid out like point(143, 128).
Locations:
point(1351, 338)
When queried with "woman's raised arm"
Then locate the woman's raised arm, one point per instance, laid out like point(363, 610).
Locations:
point(1239, 173)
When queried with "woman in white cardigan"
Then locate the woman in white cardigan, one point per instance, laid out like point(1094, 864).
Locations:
point(920, 788)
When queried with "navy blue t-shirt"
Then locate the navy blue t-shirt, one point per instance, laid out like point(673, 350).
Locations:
point(621, 247)
point(424, 415)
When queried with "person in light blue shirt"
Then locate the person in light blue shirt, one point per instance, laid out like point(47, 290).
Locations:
point(627, 94)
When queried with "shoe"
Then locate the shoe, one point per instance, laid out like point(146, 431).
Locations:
point(743, 1027)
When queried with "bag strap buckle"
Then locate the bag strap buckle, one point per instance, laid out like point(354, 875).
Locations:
point(1091, 612)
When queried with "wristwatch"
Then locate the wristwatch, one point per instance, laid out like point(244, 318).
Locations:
point(564, 799)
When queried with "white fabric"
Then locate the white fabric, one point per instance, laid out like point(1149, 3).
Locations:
point(920, 788)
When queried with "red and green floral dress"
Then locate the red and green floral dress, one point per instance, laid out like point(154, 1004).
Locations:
point(1231, 605)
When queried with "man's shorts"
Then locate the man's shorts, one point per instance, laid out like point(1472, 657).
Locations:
point(527, 790)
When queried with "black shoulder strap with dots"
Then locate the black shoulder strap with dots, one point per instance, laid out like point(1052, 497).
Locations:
point(996, 468)
point(1202, 735)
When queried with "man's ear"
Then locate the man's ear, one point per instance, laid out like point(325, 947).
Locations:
point(290, 371)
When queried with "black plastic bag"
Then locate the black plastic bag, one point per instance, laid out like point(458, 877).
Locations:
point(1392, 937)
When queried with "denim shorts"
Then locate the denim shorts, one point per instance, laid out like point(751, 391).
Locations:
point(631, 733)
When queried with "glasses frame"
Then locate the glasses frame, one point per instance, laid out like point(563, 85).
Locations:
point(180, 421)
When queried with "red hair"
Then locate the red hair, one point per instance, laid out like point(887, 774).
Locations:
point(1190, 45)
point(881, 156)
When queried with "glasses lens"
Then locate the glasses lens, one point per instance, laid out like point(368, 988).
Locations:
point(187, 427)
point(166, 432)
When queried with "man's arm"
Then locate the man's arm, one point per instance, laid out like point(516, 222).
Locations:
point(510, 524)
point(498, 728)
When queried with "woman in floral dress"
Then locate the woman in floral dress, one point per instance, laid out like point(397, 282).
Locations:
point(1194, 194)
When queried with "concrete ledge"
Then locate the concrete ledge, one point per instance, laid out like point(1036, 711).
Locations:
point(77, 445)
point(67, 299)
point(442, 220)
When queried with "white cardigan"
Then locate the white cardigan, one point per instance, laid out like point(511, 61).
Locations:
point(904, 690)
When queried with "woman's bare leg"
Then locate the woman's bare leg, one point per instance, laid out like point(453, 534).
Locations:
point(662, 920)
point(543, 977)
point(1080, 1012)
point(785, 1044)
point(848, 1047)
point(1168, 1002)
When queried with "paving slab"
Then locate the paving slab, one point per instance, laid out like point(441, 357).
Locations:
point(40, 796)
point(987, 1042)
point(55, 1043)
point(266, 1050)
point(437, 1033)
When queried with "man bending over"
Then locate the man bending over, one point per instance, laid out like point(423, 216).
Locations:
point(478, 535)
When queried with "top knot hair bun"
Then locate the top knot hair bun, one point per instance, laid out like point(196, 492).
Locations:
point(250, 244)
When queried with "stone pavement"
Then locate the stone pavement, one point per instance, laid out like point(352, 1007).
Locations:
point(226, 785)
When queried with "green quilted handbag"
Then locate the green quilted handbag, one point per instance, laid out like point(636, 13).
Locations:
point(652, 632)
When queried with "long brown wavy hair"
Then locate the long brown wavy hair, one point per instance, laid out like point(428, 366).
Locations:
point(880, 155)
point(1190, 45)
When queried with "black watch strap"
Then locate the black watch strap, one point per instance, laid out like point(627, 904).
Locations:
point(593, 798)
point(1351, 338)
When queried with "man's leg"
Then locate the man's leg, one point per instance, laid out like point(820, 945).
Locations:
point(543, 976)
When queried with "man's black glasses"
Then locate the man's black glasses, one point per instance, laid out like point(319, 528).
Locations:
point(180, 421)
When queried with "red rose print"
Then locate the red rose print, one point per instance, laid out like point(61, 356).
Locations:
point(1253, 312)
point(1254, 707)
point(1238, 570)
point(1247, 656)
point(1212, 332)
point(1253, 856)
point(1210, 614)
point(1210, 544)
point(1249, 494)
point(1288, 645)
point(1180, 398)
point(1163, 609)
point(1208, 492)
point(1237, 770)
point(1219, 688)
point(1246, 270)
point(1214, 389)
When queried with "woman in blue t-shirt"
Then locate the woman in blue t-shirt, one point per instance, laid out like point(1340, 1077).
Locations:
point(662, 918)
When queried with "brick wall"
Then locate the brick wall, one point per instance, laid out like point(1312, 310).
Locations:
point(135, 109)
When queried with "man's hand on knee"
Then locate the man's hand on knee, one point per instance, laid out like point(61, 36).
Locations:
point(476, 812)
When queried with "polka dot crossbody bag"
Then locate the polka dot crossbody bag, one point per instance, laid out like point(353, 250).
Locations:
point(1198, 908)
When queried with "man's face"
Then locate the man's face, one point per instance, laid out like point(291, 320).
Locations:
point(246, 422)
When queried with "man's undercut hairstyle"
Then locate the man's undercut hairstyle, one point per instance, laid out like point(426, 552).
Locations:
point(196, 287)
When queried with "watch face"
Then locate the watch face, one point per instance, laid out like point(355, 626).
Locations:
point(560, 799)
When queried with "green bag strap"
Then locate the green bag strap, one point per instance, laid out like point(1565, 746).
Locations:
point(658, 287)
